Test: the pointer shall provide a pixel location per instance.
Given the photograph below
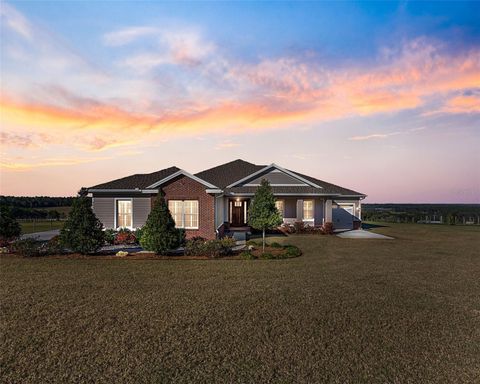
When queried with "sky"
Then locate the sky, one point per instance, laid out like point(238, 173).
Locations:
point(379, 97)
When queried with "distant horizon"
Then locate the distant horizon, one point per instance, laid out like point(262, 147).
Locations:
point(363, 201)
point(386, 103)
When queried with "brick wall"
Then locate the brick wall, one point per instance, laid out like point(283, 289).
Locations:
point(184, 188)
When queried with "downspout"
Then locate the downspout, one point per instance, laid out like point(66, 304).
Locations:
point(217, 232)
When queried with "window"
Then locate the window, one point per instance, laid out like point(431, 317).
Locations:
point(280, 204)
point(190, 213)
point(124, 214)
point(308, 209)
point(185, 213)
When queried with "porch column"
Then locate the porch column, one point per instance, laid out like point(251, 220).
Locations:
point(328, 211)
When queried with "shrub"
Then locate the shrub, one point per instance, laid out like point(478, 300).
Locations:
point(125, 236)
point(275, 245)
point(267, 255)
point(327, 228)
point(110, 236)
point(27, 247)
point(138, 234)
point(52, 247)
point(82, 231)
point(247, 255)
point(159, 233)
point(253, 242)
point(211, 248)
point(299, 227)
point(195, 246)
point(292, 251)
point(9, 227)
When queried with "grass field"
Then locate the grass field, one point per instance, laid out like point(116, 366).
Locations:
point(347, 311)
point(40, 225)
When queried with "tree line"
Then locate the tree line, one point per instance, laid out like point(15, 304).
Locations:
point(423, 213)
point(26, 207)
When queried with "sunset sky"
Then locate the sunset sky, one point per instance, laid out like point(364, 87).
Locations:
point(383, 98)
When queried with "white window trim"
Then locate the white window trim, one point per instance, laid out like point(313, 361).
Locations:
point(116, 211)
point(183, 213)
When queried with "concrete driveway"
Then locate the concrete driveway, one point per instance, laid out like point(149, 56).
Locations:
point(42, 236)
point(361, 234)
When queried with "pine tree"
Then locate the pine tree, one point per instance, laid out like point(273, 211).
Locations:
point(159, 233)
point(9, 227)
point(82, 232)
point(263, 214)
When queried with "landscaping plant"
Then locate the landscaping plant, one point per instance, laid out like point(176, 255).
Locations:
point(263, 214)
point(9, 227)
point(198, 246)
point(159, 233)
point(82, 232)
point(27, 247)
point(327, 228)
point(125, 237)
point(110, 236)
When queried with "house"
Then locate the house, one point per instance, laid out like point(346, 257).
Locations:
point(216, 200)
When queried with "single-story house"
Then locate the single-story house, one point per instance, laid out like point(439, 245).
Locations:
point(216, 200)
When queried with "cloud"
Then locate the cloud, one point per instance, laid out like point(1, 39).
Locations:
point(462, 104)
point(127, 35)
point(386, 135)
point(174, 81)
point(227, 144)
point(49, 162)
point(13, 139)
point(171, 45)
point(374, 136)
point(15, 21)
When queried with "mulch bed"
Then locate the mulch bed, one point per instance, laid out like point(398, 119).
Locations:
point(134, 256)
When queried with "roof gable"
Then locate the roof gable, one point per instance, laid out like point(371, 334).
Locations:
point(225, 174)
point(269, 169)
point(181, 172)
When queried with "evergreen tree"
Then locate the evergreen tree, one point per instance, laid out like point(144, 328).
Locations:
point(9, 227)
point(263, 214)
point(82, 231)
point(159, 232)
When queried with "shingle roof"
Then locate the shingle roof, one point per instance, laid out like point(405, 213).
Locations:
point(330, 188)
point(228, 173)
point(141, 181)
point(224, 175)
point(277, 190)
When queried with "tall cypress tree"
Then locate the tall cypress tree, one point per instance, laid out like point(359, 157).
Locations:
point(159, 233)
point(263, 214)
point(82, 232)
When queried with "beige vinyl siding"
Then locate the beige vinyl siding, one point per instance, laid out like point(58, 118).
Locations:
point(276, 177)
point(104, 209)
point(141, 209)
point(318, 213)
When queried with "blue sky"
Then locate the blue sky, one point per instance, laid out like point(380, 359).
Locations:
point(394, 86)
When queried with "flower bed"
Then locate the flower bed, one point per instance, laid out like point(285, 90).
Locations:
point(272, 251)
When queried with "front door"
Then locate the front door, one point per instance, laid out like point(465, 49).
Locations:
point(238, 210)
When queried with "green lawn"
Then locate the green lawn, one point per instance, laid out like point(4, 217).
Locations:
point(347, 311)
point(40, 225)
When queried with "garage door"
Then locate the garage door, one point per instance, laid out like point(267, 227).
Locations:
point(343, 217)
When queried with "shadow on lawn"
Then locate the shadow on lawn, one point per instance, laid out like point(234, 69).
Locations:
point(368, 226)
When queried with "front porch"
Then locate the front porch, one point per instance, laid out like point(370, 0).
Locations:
point(312, 211)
